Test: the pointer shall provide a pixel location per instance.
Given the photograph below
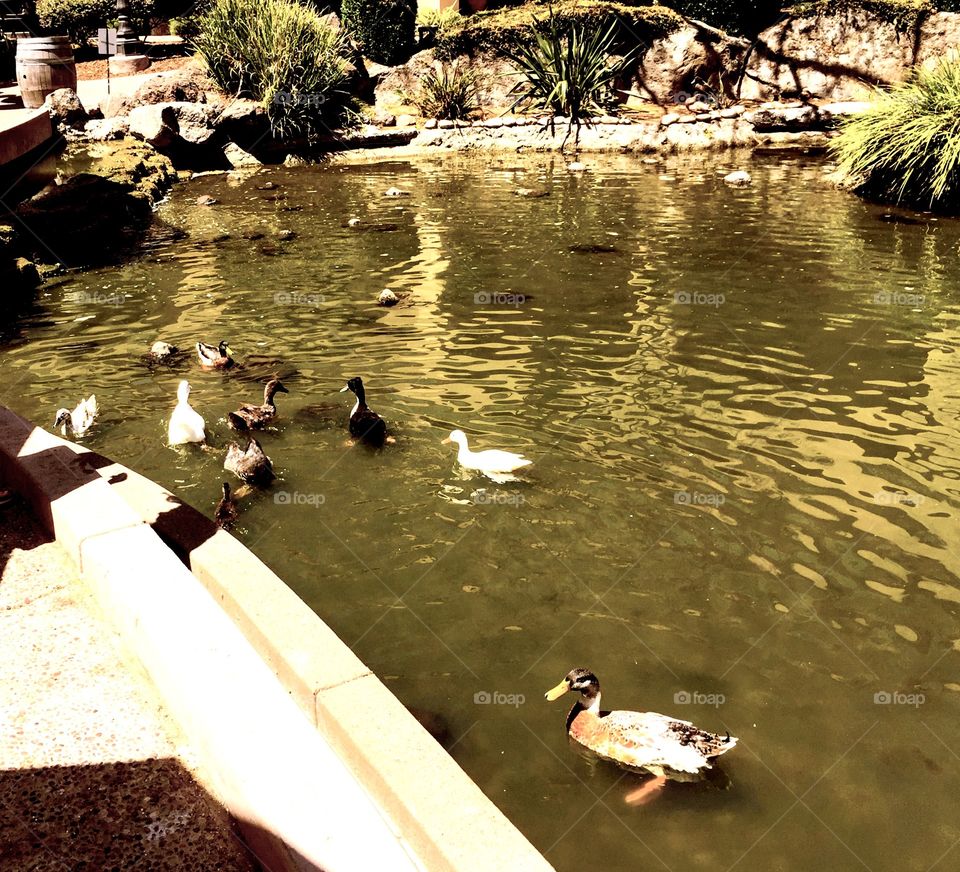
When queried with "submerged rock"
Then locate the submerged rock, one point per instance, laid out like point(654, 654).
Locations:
point(739, 178)
point(387, 298)
point(238, 158)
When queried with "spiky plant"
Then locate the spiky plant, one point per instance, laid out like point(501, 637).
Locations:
point(906, 148)
point(447, 91)
point(568, 70)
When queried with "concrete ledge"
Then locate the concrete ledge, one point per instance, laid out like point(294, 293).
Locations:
point(448, 823)
point(271, 768)
point(22, 131)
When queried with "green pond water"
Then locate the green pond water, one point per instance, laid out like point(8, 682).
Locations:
point(742, 406)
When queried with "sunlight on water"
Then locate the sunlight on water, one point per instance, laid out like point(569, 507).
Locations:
point(742, 407)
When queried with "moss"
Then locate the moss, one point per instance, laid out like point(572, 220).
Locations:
point(904, 15)
point(502, 30)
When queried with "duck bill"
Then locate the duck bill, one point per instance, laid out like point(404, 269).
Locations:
point(558, 691)
point(344, 389)
point(446, 441)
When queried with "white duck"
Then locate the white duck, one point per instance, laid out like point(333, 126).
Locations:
point(80, 419)
point(186, 424)
point(492, 462)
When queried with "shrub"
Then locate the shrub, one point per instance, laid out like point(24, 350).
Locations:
point(735, 16)
point(187, 27)
point(568, 71)
point(284, 55)
point(906, 148)
point(385, 30)
point(903, 14)
point(503, 31)
point(447, 91)
point(80, 19)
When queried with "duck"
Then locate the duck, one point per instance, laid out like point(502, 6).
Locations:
point(248, 464)
point(225, 514)
point(493, 461)
point(80, 420)
point(163, 352)
point(365, 424)
point(186, 424)
point(215, 356)
point(648, 741)
point(258, 417)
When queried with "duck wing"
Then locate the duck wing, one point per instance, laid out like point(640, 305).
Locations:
point(367, 425)
point(495, 460)
point(648, 740)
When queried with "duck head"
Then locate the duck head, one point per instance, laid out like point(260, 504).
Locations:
point(62, 418)
point(582, 681)
point(354, 384)
point(226, 491)
point(458, 437)
point(224, 348)
point(274, 386)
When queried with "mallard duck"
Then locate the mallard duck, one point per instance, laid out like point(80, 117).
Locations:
point(492, 461)
point(637, 740)
point(225, 514)
point(80, 419)
point(248, 464)
point(186, 424)
point(162, 352)
point(259, 416)
point(215, 356)
point(365, 424)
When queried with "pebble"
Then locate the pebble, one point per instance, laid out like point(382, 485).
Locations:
point(387, 298)
point(206, 200)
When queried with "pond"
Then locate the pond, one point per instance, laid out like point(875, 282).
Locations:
point(742, 408)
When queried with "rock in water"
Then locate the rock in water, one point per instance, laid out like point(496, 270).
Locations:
point(740, 177)
point(387, 298)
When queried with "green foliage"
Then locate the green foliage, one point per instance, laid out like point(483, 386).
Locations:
point(905, 15)
point(284, 55)
point(187, 27)
point(567, 70)
point(735, 16)
point(447, 91)
point(444, 21)
point(80, 19)
point(385, 30)
point(503, 31)
point(906, 148)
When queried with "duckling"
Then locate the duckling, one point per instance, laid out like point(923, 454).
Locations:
point(162, 352)
point(80, 420)
point(637, 740)
point(258, 417)
point(186, 424)
point(365, 424)
point(225, 514)
point(248, 464)
point(215, 356)
point(493, 461)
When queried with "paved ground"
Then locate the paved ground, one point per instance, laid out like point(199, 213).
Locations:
point(93, 774)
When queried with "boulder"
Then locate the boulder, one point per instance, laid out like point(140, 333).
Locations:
point(243, 121)
point(238, 158)
point(738, 178)
point(190, 84)
point(185, 132)
point(65, 109)
point(104, 129)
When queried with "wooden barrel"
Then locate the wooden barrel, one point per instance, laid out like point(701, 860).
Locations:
point(44, 64)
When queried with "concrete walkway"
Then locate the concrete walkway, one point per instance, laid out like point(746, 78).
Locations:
point(93, 773)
